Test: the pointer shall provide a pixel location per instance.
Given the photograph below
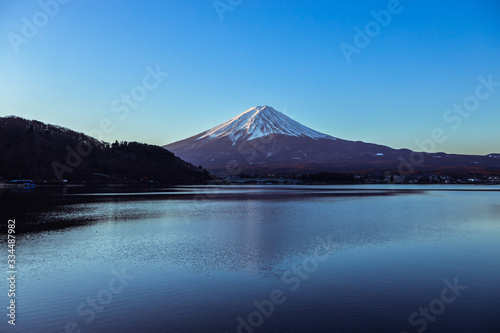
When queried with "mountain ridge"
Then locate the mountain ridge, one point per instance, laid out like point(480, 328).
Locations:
point(263, 140)
point(31, 149)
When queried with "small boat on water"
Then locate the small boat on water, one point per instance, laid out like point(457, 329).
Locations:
point(26, 183)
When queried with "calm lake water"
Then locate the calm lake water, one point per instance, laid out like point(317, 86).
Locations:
point(255, 259)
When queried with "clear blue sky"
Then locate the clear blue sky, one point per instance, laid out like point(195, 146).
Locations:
point(285, 54)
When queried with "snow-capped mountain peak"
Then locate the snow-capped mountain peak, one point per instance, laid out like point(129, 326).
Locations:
point(284, 146)
point(260, 121)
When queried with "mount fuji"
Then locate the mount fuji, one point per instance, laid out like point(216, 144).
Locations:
point(261, 121)
point(263, 140)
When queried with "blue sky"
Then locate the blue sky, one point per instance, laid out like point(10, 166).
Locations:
point(73, 70)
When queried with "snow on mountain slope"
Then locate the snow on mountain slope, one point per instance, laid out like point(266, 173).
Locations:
point(284, 146)
point(260, 121)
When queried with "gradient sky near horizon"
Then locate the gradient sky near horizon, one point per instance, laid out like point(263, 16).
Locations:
point(285, 54)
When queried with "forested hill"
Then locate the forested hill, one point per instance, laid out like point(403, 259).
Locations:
point(30, 149)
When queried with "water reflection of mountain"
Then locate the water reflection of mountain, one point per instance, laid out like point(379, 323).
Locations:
point(253, 232)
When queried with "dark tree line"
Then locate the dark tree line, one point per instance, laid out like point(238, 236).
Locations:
point(34, 150)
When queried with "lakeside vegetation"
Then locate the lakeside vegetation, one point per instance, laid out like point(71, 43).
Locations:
point(49, 154)
point(52, 154)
